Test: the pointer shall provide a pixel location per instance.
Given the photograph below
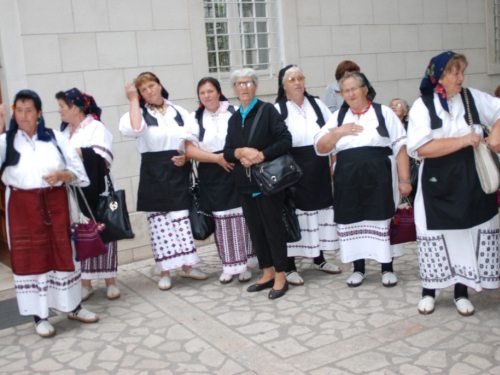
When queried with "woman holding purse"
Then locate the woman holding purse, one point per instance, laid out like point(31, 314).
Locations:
point(456, 221)
point(81, 124)
point(263, 213)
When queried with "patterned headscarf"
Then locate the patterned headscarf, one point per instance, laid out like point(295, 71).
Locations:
point(85, 102)
point(41, 133)
point(433, 73)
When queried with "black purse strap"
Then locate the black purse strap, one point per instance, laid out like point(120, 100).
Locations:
point(255, 122)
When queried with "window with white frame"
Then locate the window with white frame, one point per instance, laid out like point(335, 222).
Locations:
point(242, 33)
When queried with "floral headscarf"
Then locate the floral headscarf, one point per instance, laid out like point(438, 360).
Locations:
point(85, 102)
point(433, 73)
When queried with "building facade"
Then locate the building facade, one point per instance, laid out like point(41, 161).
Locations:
point(99, 45)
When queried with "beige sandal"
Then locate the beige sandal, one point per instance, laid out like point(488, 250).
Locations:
point(87, 291)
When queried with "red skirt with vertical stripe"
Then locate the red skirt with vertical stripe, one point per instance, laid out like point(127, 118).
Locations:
point(39, 231)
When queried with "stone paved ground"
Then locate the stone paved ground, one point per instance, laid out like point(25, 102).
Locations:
point(323, 327)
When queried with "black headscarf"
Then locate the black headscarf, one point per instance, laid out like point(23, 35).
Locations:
point(164, 93)
point(41, 132)
point(282, 99)
point(199, 112)
point(12, 155)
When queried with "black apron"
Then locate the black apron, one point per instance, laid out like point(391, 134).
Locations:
point(363, 185)
point(217, 188)
point(163, 187)
point(314, 188)
point(453, 197)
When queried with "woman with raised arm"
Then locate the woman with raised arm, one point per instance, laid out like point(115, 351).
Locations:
point(157, 126)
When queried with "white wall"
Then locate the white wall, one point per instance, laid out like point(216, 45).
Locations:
point(391, 40)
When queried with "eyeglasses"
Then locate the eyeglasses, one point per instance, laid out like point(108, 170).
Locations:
point(243, 84)
point(348, 91)
point(396, 105)
point(298, 79)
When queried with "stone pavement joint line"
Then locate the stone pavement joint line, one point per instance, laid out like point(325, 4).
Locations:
point(322, 327)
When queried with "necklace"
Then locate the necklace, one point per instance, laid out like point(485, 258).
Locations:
point(363, 111)
point(450, 107)
point(161, 108)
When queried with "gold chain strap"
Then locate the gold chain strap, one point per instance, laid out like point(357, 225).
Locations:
point(469, 114)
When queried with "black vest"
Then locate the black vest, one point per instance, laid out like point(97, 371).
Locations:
point(200, 123)
point(381, 128)
point(436, 122)
point(320, 119)
point(152, 121)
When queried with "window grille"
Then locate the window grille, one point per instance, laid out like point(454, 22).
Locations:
point(242, 33)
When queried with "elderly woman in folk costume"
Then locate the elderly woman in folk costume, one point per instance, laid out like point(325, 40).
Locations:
point(81, 124)
point(400, 108)
point(369, 142)
point(157, 125)
point(457, 223)
point(304, 116)
point(204, 141)
point(36, 163)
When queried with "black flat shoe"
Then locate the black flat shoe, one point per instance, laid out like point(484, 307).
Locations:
point(259, 287)
point(274, 294)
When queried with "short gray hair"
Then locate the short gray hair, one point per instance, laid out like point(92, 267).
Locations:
point(406, 107)
point(357, 76)
point(293, 69)
point(244, 72)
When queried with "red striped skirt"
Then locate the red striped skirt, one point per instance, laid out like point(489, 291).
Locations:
point(39, 231)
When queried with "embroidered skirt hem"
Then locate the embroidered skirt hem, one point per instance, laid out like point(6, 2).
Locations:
point(466, 256)
point(233, 242)
point(36, 294)
point(172, 241)
point(104, 266)
point(367, 240)
point(319, 233)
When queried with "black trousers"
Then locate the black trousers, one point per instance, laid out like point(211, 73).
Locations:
point(264, 217)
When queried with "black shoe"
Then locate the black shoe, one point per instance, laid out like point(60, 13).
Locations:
point(274, 294)
point(259, 287)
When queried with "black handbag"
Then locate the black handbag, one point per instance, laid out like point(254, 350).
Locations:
point(112, 212)
point(202, 223)
point(275, 175)
point(290, 218)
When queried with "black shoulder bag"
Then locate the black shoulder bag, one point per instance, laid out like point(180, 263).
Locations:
point(275, 175)
point(112, 212)
point(202, 223)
